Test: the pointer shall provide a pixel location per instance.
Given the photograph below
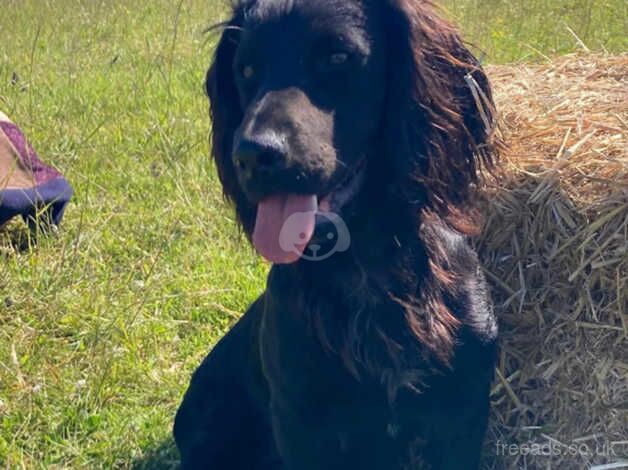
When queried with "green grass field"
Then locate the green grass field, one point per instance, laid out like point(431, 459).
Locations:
point(102, 324)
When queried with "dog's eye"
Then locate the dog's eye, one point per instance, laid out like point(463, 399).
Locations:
point(338, 58)
point(247, 72)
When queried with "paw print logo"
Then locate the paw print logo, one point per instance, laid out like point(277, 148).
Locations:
point(334, 238)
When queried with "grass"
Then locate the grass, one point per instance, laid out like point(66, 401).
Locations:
point(102, 324)
point(511, 30)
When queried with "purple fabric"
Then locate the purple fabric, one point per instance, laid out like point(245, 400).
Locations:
point(41, 172)
point(47, 198)
point(53, 195)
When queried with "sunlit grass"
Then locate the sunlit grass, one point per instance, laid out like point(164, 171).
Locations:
point(102, 324)
point(508, 30)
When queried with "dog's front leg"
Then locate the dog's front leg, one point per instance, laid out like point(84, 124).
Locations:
point(223, 422)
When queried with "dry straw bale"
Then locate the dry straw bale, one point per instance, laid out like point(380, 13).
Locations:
point(555, 249)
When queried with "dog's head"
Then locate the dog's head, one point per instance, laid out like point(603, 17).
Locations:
point(311, 98)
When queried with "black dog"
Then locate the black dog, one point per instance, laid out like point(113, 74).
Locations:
point(356, 128)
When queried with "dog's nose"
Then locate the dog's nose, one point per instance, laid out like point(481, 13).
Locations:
point(253, 157)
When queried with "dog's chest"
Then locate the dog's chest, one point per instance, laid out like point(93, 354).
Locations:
point(295, 363)
point(303, 374)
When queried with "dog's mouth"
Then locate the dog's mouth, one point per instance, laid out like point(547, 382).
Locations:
point(285, 223)
point(343, 192)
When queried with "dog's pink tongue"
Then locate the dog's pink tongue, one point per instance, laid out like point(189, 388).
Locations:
point(272, 216)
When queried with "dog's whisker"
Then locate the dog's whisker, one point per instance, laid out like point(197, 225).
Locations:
point(220, 27)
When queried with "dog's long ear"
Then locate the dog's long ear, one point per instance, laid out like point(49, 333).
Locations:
point(226, 115)
point(441, 114)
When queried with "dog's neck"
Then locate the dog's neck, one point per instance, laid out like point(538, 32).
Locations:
point(393, 294)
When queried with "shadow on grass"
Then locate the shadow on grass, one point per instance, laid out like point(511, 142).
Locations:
point(21, 235)
point(15, 239)
point(163, 457)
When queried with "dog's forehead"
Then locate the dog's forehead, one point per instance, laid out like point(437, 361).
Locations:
point(292, 22)
point(319, 13)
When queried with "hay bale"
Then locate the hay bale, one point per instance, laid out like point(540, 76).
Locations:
point(555, 248)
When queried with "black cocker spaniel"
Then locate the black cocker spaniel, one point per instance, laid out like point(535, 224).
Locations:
point(350, 136)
